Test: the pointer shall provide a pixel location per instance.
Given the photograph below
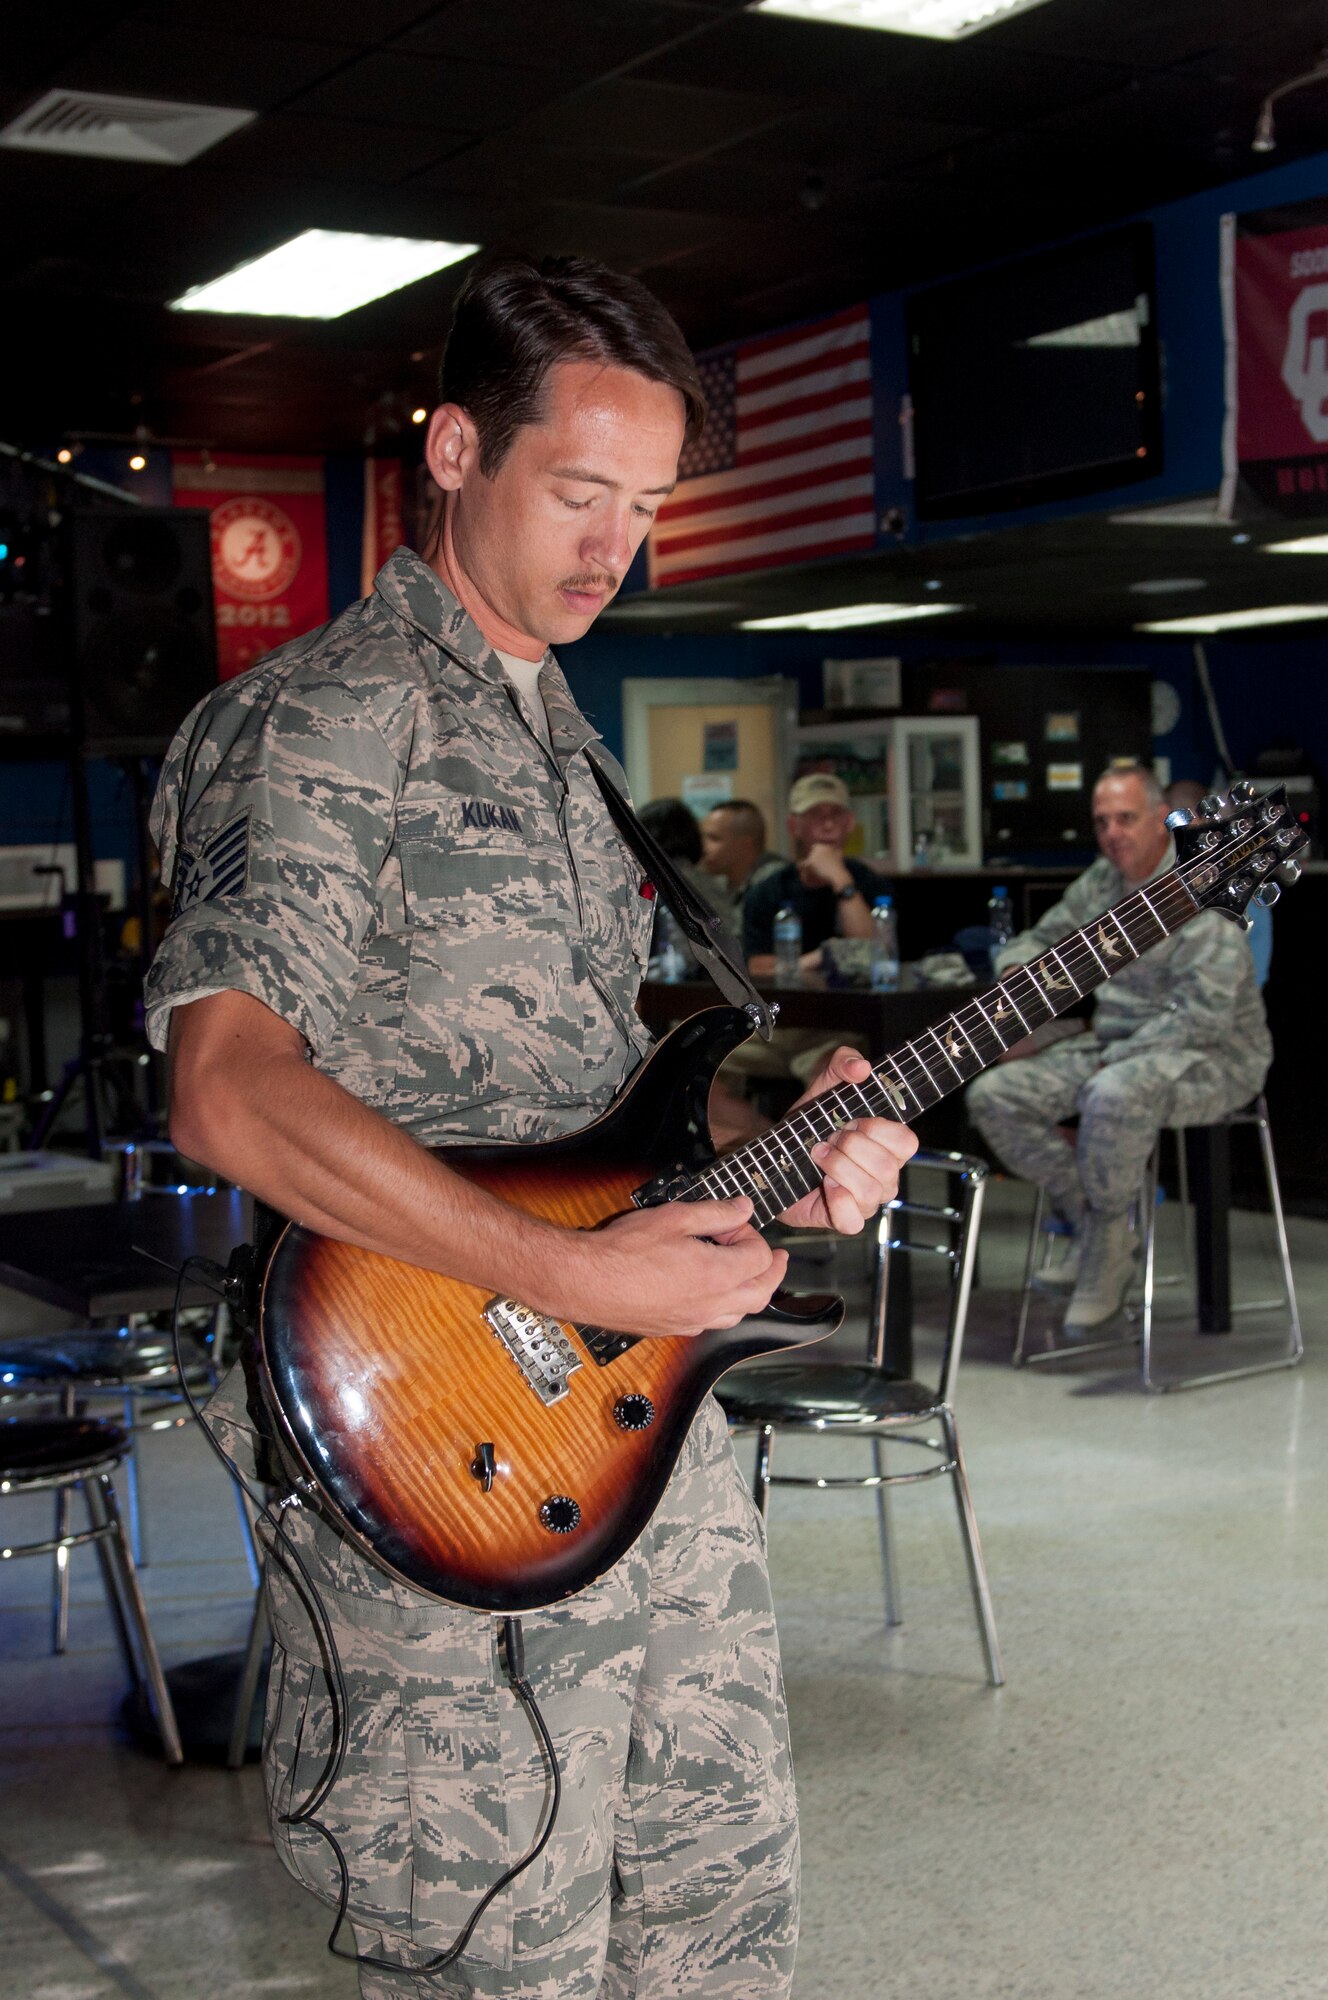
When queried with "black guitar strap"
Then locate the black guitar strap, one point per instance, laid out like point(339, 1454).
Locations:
point(714, 944)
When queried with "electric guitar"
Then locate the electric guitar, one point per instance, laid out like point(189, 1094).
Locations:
point(502, 1460)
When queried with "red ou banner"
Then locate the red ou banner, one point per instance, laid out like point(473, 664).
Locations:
point(1275, 270)
point(269, 547)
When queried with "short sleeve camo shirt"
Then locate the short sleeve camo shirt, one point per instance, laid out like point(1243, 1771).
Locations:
point(364, 833)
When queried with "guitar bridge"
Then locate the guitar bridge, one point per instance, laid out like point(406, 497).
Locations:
point(539, 1347)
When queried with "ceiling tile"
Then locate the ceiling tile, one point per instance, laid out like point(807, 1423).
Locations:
point(587, 36)
point(426, 90)
point(197, 66)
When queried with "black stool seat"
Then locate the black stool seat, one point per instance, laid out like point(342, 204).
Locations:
point(92, 1359)
point(48, 1447)
point(829, 1392)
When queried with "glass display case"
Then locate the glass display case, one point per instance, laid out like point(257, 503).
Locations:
point(914, 784)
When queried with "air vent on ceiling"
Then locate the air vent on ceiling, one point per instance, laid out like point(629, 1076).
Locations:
point(86, 123)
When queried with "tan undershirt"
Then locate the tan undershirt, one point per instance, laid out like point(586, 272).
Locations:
point(524, 676)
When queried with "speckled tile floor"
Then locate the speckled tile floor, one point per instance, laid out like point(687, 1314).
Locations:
point(1137, 1815)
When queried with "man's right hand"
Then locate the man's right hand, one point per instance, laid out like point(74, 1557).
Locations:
point(672, 1270)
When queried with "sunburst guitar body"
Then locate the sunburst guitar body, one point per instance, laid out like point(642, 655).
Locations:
point(481, 1453)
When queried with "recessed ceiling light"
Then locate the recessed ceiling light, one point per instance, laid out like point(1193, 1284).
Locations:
point(322, 274)
point(1306, 545)
point(846, 614)
point(1240, 621)
point(943, 20)
point(418, 416)
point(1164, 586)
point(138, 463)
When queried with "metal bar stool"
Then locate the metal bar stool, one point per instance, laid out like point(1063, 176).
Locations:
point(55, 1455)
point(843, 1399)
point(1145, 1222)
point(137, 1366)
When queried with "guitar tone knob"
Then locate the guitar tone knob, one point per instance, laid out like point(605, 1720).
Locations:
point(560, 1514)
point(634, 1413)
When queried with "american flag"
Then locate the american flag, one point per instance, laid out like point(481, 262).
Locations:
point(783, 470)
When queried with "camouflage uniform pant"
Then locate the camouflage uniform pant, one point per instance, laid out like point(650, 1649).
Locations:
point(1122, 1105)
point(672, 1868)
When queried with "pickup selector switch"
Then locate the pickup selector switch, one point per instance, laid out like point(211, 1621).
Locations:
point(634, 1413)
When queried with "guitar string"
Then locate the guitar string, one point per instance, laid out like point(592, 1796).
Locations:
point(785, 1168)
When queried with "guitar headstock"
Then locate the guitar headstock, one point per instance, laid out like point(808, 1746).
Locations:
point(1238, 845)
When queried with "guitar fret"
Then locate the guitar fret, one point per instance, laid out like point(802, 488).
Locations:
point(1053, 953)
point(992, 1025)
point(1134, 949)
point(1101, 963)
point(948, 1048)
point(1033, 994)
point(899, 1091)
point(964, 1032)
point(925, 1066)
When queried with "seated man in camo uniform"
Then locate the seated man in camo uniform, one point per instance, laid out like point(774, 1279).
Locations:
point(1177, 1039)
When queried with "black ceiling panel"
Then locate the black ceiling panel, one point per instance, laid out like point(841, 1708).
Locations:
point(754, 168)
point(581, 36)
point(444, 92)
point(200, 65)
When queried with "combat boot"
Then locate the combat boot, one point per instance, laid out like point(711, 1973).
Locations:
point(1106, 1264)
point(1062, 1222)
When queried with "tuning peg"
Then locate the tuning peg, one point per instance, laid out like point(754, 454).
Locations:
point(1288, 873)
point(1244, 790)
point(1181, 817)
point(1269, 894)
point(1214, 803)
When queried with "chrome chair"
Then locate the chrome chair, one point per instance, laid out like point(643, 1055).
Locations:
point(844, 1399)
point(1143, 1314)
point(57, 1455)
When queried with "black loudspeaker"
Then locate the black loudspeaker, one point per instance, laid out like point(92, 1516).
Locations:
point(144, 633)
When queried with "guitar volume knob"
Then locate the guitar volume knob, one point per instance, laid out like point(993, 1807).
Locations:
point(560, 1514)
point(634, 1413)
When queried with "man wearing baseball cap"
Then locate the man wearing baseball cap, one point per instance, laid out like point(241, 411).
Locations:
point(832, 895)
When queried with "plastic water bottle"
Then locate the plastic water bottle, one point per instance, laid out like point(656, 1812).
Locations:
point(884, 946)
point(788, 945)
point(922, 856)
point(1000, 920)
point(672, 952)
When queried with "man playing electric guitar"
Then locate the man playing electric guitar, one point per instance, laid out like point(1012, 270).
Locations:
point(402, 918)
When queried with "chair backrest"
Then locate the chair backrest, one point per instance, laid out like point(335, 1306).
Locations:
point(962, 1224)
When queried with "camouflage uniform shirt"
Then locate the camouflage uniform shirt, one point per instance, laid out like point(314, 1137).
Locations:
point(365, 833)
point(1194, 993)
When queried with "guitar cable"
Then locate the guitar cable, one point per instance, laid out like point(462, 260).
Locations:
point(228, 1284)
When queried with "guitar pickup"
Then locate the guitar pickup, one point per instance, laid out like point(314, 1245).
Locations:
point(539, 1347)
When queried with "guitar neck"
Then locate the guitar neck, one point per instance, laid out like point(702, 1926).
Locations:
point(777, 1169)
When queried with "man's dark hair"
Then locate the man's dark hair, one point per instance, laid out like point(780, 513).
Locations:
point(747, 818)
point(674, 827)
point(515, 318)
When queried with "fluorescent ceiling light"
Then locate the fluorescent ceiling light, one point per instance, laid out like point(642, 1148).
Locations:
point(1116, 329)
point(1200, 513)
point(846, 614)
point(1307, 545)
point(1240, 621)
point(323, 274)
point(1166, 586)
point(943, 20)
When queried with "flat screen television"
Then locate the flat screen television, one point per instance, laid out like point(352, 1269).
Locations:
point(1038, 380)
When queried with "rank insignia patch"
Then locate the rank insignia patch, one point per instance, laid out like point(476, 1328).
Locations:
point(220, 867)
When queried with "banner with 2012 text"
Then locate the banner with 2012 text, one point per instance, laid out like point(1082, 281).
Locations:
point(269, 547)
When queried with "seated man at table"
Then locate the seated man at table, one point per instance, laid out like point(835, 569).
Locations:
point(831, 893)
point(734, 853)
point(833, 897)
point(1177, 1039)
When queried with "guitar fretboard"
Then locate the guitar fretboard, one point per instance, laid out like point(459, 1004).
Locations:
point(777, 1169)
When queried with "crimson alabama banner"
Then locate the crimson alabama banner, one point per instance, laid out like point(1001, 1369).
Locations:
point(384, 523)
point(1275, 303)
point(269, 547)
